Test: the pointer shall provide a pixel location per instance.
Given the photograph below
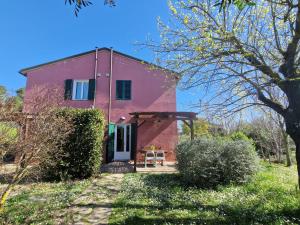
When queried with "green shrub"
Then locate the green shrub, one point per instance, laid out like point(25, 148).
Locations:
point(208, 162)
point(81, 154)
point(239, 135)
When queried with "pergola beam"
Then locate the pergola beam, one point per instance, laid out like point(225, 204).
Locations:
point(177, 115)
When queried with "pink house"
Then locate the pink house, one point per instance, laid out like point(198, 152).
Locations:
point(131, 92)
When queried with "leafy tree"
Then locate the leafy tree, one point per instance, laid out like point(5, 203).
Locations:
point(16, 100)
point(79, 4)
point(8, 130)
point(239, 3)
point(239, 135)
point(8, 137)
point(20, 93)
point(3, 93)
point(201, 127)
point(19, 98)
point(238, 56)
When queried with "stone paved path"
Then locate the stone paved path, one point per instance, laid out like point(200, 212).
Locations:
point(94, 206)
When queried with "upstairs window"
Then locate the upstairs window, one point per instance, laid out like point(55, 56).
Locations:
point(80, 90)
point(123, 89)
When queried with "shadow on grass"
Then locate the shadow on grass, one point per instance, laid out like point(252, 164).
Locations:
point(208, 214)
point(162, 206)
point(39, 205)
point(189, 221)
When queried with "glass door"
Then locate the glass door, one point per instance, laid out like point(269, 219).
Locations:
point(122, 142)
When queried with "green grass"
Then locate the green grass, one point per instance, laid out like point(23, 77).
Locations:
point(270, 198)
point(41, 203)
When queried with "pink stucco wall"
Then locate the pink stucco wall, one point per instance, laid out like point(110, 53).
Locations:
point(152, 90)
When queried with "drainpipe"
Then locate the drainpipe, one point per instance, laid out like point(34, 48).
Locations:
point(110, 83)
point(95, 76)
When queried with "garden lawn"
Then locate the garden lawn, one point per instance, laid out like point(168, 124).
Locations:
point(270, 198)
point(42, 203)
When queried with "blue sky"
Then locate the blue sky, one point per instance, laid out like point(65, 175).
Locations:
point(34, 32)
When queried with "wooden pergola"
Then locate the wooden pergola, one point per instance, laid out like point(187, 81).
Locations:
point(141, 117)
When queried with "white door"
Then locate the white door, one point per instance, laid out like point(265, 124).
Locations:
point(122, 142)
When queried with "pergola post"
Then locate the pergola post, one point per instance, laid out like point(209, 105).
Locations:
point(192, 130)
point(136, 143)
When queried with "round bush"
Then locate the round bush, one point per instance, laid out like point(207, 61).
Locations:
point(208, 162)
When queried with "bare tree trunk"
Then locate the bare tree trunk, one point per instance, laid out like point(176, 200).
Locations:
point(298, 160)
point(292, 122)
point(294, 131)
point(285, 139)
point(263, 154)
point(278, 152)
point(286, 148)
point(279, 156)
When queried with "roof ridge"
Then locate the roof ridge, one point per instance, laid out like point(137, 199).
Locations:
point(25, 70)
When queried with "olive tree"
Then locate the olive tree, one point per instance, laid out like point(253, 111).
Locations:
point(239, 56)
point(201, 128)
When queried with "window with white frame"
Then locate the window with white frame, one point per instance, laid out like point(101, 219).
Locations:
point(80, 90)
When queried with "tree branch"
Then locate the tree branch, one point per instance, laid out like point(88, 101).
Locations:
point(288, 67)
point(271, 104)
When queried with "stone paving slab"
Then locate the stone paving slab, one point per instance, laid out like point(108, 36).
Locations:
point(94, 206)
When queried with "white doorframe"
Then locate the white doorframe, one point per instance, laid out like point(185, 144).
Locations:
point(125, 153)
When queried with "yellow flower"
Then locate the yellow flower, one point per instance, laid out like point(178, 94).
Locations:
point(186, 20)
point(173, 9)
point(199, 49)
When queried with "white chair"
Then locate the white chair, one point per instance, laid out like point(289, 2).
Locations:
point(150, 156)
point(160, 156)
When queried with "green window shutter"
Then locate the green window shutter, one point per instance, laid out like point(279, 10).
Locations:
point(127, 89)
point(133, 140)
point(92, 85)
point(68, 89)
point(111, 142)
point(119, 86)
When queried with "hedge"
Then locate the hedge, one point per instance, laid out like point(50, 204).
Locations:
point(81, 154)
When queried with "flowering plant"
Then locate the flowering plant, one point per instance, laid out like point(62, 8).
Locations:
point(152, 147)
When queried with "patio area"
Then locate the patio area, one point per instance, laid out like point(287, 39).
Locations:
point(128, 167)
point(158, 153)
point(168, 167)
